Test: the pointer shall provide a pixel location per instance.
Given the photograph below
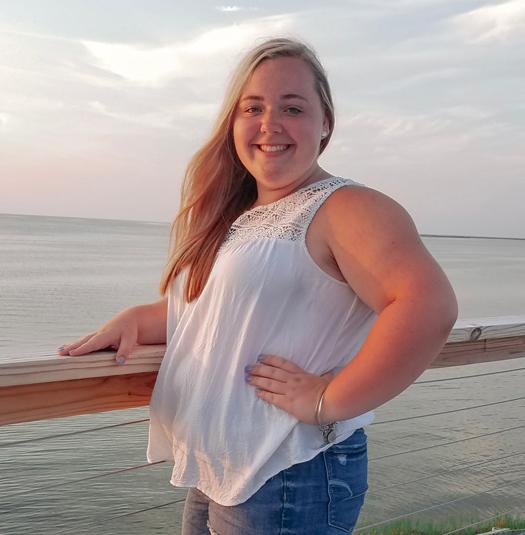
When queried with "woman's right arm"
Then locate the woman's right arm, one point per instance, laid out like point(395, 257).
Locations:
point(143, 324)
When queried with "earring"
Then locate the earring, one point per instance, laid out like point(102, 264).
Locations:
point(324, 134)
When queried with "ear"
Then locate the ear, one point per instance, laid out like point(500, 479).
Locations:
point(326, 124)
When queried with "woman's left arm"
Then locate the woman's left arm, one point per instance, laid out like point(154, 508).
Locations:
point(380, 254)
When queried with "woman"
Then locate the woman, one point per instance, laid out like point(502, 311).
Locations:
point(297, 303)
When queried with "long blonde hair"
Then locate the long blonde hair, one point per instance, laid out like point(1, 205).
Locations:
point(217, 188)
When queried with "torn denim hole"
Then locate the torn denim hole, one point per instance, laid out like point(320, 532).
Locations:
point(342, 459)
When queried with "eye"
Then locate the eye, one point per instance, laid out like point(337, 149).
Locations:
point(250, 110)
point(292, 110)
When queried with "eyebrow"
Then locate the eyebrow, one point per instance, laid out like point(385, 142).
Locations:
point(288, 96)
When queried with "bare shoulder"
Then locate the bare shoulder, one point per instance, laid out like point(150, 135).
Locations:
point(376, 245)
point(360, 209)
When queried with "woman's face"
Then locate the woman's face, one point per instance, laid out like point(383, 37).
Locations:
point(278, 124)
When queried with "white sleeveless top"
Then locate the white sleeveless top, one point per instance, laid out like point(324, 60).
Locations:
point(265, 295)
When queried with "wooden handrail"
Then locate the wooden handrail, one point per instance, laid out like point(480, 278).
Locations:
point(42, 386)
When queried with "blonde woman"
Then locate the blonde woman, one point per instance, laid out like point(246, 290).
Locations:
point(297, 302)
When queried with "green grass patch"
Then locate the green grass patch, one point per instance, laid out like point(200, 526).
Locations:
point(408, 527)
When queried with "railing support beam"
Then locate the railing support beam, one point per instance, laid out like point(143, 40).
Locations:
point(41, 401)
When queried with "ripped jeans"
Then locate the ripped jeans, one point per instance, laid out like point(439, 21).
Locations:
point(320, 497)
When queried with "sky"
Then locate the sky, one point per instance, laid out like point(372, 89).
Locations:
point(102, 103)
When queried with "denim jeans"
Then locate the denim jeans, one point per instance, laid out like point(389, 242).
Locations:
point(320, 497)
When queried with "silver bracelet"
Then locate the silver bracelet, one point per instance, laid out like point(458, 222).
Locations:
point(318, 409)
point(328, 430)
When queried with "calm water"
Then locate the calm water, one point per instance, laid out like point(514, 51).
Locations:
point(61, 277)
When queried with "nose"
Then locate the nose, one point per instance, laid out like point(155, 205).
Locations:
point(271, 123)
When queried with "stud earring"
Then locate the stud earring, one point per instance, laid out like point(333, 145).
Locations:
point(324, 134)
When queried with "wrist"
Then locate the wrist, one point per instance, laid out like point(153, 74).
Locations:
point(328, 428)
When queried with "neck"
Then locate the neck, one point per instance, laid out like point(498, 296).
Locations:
point(265, 196)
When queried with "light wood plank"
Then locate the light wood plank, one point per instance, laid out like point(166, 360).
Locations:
point(461, 353)
point(484, 328)
point(23, 369)
point(27, 403)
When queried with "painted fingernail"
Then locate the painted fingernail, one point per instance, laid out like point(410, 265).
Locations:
point(258, 389)
point(61, 348)
point(121, 360)
point(260, 357)
point(248, 378)
point(248, 368)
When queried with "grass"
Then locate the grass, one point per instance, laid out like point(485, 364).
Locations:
point(407, 527)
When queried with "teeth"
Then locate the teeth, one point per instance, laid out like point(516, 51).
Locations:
point(273, 148)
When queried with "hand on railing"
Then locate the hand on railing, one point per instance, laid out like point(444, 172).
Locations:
point(144, 324)
point(119, 333)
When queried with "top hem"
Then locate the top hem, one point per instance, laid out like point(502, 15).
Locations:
point(246, 493)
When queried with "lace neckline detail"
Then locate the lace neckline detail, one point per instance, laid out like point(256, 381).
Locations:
point(287, 218)
point(269, 206)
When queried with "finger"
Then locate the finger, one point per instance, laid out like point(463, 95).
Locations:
point(267, 385)
point(270, 397)
point(95, 343)
point(71, 346)
point(124, 349)
point(277, 374)
point(279, 362)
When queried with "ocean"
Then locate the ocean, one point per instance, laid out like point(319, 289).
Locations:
point(61, 278)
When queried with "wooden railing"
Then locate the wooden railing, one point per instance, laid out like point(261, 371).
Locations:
point(42, 386)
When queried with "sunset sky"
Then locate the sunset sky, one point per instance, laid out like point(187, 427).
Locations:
point(102, 102)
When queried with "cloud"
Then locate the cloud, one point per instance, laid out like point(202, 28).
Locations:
point(4, 120)
point(163, 117)
point(422, 114)
point(236, 8)
point(496, 22)
point(195, 57)
point(135, 64)
point(467, 112)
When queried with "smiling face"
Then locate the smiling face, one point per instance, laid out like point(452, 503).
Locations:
point(277, 127)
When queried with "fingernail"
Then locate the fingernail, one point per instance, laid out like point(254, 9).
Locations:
point(258, 389)
point(248, 368)
point(121, 360)
point(260, 357)
point(71, 352)
point(248, 378)
point(61, 348)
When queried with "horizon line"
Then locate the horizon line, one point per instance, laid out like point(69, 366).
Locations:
point(424, 235)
